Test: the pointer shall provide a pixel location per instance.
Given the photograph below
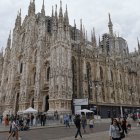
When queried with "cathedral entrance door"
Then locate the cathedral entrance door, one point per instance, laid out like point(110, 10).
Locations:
point(46, 103)
point(32, 103)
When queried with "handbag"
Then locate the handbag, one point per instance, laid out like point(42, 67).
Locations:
point(122, 135)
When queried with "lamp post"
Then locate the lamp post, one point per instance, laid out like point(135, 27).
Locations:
point(96, 82)
point(131, 93)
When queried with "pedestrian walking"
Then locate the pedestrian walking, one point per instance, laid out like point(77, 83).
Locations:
point(32, 118)
point(6, 120)
point(14, 130)
point(84, 122)
point(1, 118)
point(67, 120)
point(78, 126)
point(41, 119)
point(61, 118)
point(115, 130)
point(44, 120)
point(91, 124)
point(124, 126)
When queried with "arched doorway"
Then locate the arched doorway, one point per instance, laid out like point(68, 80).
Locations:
point(46, 103)
point(17, 103)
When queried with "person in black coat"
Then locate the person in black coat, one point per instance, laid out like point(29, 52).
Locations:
point(78, 126)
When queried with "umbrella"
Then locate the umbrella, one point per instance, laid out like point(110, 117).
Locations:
point(30, 110)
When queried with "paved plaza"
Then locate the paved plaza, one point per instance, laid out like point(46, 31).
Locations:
point(57, 132)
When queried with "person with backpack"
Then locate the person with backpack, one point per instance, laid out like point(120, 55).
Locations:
point(77, 122)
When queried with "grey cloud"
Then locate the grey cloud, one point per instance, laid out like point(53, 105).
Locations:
point(125, 16)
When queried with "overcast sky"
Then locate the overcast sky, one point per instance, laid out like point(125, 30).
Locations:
point(125, 15)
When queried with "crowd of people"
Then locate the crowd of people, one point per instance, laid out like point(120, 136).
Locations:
point(118, 128)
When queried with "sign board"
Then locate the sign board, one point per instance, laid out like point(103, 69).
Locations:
point(77, 108)
point(80, 102)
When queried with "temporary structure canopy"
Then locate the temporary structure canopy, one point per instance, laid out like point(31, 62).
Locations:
point(84, 110)
point(30, 110)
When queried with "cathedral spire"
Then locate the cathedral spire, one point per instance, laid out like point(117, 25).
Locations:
point(31, 9)
point(60, 13)
point(9, 40)
point(61, 28)
point(81, 29)
point(110, 26)
point(84, 33)
point(75, 34)
point(55, 20)
point(66, 16)
point(93, 38)
point(81, 26)
point(18, 19)
point(56, 11)
point(43, 9)
point(86, 36)
point(99, 41)
point(52, 12)
point(138, 44)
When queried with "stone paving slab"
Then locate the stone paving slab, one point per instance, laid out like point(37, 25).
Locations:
point(50, 124)
point(133, 135)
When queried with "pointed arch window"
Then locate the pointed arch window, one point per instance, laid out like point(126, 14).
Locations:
point(21, 67)
point(120, 78)
point(49, 26)
point(74, 77)
point(34, 76)
point(112, 76)
point(35, 57)
point(101, 73)
point(89, 80)
point(48, 73)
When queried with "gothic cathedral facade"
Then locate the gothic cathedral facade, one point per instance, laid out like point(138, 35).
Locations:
point(48, 63)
